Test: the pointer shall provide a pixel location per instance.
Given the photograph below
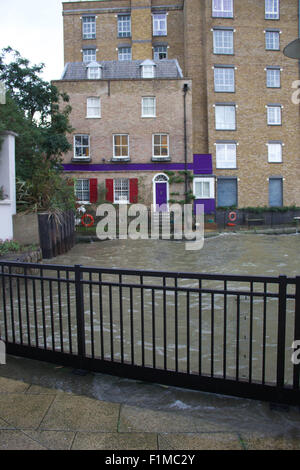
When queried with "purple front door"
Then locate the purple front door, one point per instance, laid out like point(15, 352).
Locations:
point(161, 196)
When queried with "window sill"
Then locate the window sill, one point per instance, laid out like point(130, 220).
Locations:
point(81, 160)
point(161, 159)
point(118, 160)
point(92, 117)
point(148, 117)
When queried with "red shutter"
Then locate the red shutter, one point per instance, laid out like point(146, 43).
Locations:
point(93, 190)
point(133, 190)
point(109, 190)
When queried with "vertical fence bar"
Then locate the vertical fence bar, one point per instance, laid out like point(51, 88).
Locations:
point(52, 316)
point(69, 312)
point(251, 332)
point(188, 368)
point(60, 313)
point(35, 314)
point(142, 322)
point(101, 315)
point(281, 330)
point(212, 344)
point(79, 312)
point(11, 306)
point(91, 314)
point(27, 306)
point(225, 331)
point(237, 372)
point(43, 308)
point(4, 303)
point(176, 325)
point(131, 325)
point(264, 335)
point(111, 324)
point(19, 311)
point(200, 328)
point(296, 372)
point(165, 323)
point(121, 318)
point(153, 329)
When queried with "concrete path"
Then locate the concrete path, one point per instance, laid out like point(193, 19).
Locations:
point(41, 408)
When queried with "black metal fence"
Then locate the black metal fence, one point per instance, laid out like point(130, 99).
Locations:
point(218, 333)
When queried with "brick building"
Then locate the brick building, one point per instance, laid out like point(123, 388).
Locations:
point(160, 87)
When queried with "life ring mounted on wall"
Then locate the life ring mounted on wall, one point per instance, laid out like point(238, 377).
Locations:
point(232, 216)
point(90, 218)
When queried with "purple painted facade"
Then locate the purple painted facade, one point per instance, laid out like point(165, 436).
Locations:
point(209, 205)
point(202, 165)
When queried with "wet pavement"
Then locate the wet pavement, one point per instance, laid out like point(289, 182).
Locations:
point(46, 406)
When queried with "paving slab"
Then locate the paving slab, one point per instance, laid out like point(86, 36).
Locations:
point(133, 419)
point(115, 441)
point(24, 411)
point(257, 441)
point(78, 413)
point(18, 440)
point(53, 440)
point(201, 441)
point(12, 386)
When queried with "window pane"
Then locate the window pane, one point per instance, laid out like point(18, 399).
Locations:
point(272, 40)
point(224, 79)
point(225, 117)
point(82, 190)
point(160, 52)
point(159, 24)
point(223, 41)
point(275, 153)
point(121, 190)
point(223, 8)
point(124, 26)
point(124, 53)
point(272, 9)
point(273, 78)
point(160, 145)
point(89, 27)
point(226, 155)
point(274, 115)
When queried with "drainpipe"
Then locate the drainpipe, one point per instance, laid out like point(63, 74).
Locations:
point(185, 90)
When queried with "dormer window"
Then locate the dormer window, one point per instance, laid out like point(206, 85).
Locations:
point(148, 69)
point(93, 71)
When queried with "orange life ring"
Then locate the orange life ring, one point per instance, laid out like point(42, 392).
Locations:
point(89, 224)
point(232, 216)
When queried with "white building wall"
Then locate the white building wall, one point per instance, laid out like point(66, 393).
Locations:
point(8, 181)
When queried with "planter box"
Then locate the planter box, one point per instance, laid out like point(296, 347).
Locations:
point(26, 229)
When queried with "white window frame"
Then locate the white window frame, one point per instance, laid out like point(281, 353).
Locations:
point(219, 9)
point(122, 55)
point(124, 183)
point(93, 107)
point(225, 125)
point(225, 160)
point(160, 27)
point(147, 71)
point(89, 27)
point(160, 146)
point(159, 49)
point(94, 72)
point(271, 82)
point(82, 181)
point(274, 157)
point(145, 107)
point(221, 43)
point(211, 193)
point(274, 117)
point(272, 9)
point(120, 157)
point(274, 44)
point(224, 82)
point(124, 26)
point(82, 146)
point(89, 55)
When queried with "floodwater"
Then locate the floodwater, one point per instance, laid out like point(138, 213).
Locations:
point(241, 254)
point(269, 255)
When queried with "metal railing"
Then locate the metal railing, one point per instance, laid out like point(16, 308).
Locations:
point(220, 333)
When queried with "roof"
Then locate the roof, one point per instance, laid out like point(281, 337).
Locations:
point(123, 69)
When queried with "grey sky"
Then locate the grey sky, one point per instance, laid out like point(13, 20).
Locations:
point(34, 28)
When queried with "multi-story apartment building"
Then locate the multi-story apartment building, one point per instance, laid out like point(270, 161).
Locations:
point(161, 86)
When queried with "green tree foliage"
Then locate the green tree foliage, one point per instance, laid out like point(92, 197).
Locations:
point(39, 114)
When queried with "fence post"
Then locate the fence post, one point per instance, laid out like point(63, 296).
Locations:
point(296, 374)
point(282, 300)
point(79, 313)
